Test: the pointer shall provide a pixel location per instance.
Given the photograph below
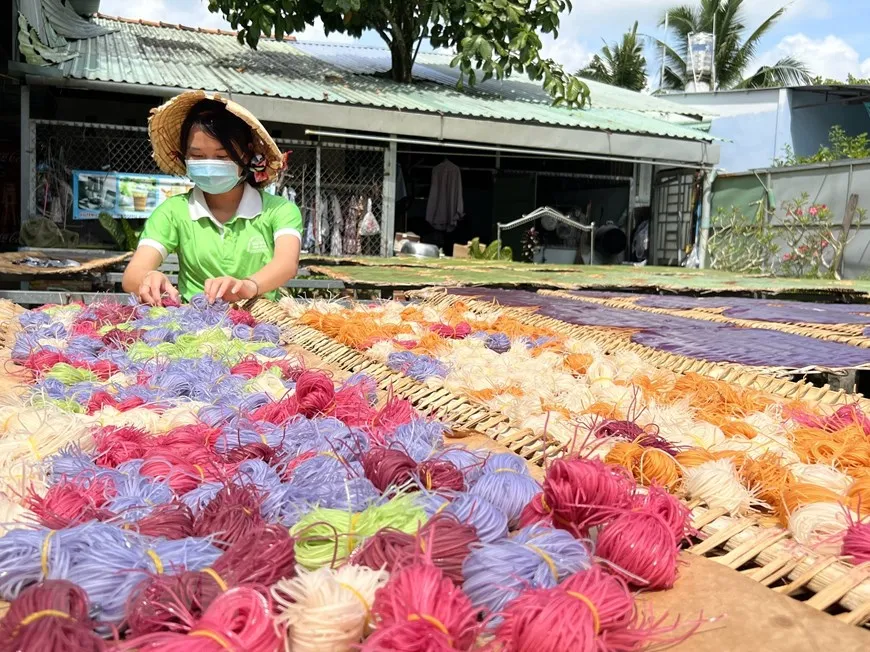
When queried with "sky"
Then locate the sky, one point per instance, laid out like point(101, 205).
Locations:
point(831, 36)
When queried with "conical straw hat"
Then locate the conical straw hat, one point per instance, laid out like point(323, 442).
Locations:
point(164, 128)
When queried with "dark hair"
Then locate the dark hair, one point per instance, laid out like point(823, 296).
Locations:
point(228, 129)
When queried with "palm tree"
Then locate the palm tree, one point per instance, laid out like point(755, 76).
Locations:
point(620, 64)
point(734, 50)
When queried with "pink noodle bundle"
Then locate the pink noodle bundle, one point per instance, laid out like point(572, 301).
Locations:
point(118, 445)
point(277, 412)
point(171, 521)
point(251, 368)
point(315, 393)
point(856, 541)
point(673, 512)
point(231, 515)
point(641, 548)
point(388, 467)
point(241, 317)
point(396, 412)
point(101, 399)
point(255, 451)
point(420, 609)
point(239, 619)
point(579, 494)
point(72, 501)
point(352, 407)
point(258, 559)
point(443, 542)
point(52, 615)
point(41, 361)
point(458, 332)
point(589, 611)
point(440, 475)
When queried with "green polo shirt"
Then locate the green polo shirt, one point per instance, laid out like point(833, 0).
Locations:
point(207, 249)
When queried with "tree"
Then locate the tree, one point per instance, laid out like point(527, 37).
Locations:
point(735, 51)
point(620, 64)
point(492, 38)
point(851, 80)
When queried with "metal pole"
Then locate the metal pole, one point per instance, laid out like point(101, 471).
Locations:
point(498, 241)
point(318, 236)
point(706, 208)
point(26, 196)
point(592, 243)
point(388, 219)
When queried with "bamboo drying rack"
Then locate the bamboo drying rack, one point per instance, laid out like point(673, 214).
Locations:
point(851, 334)
point(771, 554)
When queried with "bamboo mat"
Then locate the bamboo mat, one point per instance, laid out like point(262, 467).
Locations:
point(8, 264)
point(734, 546)
point(851, 334)
point(748, 617)
point(762, 379)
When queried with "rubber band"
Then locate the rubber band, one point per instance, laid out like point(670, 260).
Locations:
point(602, 379)
point(212, 573)
point(505, 470)
point(217, 638)
point(45, 548)
point(545, 505)
point(201, 471)
point(553, 569)
point(359, 596)
point(157, 563)
point(36, 615)
point(32, 441)
point(432, 620)
point(596, 620)
point(444, 506)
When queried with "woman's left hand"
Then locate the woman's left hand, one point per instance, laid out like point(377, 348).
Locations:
point(230, 289)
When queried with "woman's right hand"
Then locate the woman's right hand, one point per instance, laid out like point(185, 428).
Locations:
point(154, 286)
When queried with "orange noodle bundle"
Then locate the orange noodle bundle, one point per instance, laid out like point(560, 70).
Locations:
point(647, 465)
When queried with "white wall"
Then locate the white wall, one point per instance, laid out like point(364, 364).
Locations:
point(754, 125)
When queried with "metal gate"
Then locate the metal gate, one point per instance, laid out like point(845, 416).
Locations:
point(673, 204)
point(332, 182)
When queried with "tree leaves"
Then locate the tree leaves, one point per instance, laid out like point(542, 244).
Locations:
point(492, 38)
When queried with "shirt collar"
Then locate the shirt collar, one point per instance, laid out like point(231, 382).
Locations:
point(249, 208)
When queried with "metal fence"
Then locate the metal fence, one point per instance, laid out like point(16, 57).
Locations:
point(333, 183)
point(831, 184)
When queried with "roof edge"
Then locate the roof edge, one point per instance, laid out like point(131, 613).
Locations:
point(289, 38)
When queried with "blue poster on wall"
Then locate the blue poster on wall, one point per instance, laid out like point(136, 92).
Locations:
point(131, 196)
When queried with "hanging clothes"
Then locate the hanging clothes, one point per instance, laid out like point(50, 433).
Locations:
point(354, 215)
point(309, 244)
point(335, 247)
point(445, 207)
point(321, 229)
point(401, 190)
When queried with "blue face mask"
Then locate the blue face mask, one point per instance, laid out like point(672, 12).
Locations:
point(212, 176)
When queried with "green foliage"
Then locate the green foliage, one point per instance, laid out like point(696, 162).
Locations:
point(740, 243)
point(812, 242)
point(840, 147)
point(735, 49)
point(491, 38)
point(490, 252)
point(620, 64)
point(851, 80)
point(121, 231)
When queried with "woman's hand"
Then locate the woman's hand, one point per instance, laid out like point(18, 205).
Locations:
point(154, 286)
point(230, 289)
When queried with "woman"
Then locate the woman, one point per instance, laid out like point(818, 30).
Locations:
point(234, 241)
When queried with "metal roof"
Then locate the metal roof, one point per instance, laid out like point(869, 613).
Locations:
point(166, 55)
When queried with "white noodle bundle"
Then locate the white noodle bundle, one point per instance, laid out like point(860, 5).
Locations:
point(716, 483)
point(821, 525)
point(327, 610)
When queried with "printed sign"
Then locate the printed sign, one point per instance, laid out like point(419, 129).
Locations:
point(131, 196)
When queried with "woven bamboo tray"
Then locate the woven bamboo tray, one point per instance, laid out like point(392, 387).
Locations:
point(8, 266)
point(828, 332)
point(764, 380)
point(749, 543)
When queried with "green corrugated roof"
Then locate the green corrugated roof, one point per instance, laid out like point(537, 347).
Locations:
point(162, 55)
